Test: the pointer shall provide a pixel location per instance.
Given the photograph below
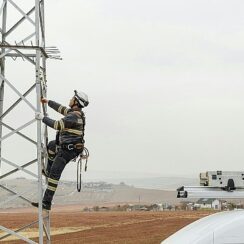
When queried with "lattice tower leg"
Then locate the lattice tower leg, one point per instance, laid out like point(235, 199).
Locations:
point(35, 55)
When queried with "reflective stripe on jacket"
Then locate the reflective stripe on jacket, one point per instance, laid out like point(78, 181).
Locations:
point(71, 126)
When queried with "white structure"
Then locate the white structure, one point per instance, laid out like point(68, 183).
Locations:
point(222, 178)
point(208, 203)
point(216, 184)
point(219, 228)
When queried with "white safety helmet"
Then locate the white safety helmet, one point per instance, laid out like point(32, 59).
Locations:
point(81, 98)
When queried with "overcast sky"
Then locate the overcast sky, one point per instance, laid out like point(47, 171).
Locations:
point(165, 81)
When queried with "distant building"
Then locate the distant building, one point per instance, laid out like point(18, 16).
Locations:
point(103, 209)
point(156, 207)
point(189, 206)
point(208, 203)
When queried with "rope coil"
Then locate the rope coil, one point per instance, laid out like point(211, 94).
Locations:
point(83, 156)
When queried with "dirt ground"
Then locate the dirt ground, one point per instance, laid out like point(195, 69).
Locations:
point(71, 225)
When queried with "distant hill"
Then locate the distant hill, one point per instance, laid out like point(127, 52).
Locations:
point(161, 183)
point(136, 179)
point(92, 193)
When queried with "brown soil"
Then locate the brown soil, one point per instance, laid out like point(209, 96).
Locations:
point(71, 225)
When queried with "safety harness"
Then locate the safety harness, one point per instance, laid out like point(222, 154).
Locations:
point(83, 156)
point(83, 152)
point(71, 146)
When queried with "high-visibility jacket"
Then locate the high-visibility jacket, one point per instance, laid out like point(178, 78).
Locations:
point(71, 127)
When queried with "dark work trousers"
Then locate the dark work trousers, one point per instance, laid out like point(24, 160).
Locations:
point(52, 152)
point(55, 168)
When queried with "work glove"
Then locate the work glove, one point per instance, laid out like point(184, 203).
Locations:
point(44, 100)
point(39, 116)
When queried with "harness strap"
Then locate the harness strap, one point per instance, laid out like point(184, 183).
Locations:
point(71, 146)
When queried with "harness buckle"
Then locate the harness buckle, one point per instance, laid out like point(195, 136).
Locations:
point(70, 147)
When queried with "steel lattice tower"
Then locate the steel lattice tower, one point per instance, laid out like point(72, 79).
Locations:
point(30, 47)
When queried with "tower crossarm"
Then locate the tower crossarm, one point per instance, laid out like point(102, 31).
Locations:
point(47, 52)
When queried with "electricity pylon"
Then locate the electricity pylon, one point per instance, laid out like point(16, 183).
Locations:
point(23, 39)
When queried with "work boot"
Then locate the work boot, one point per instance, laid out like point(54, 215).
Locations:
point(45, 205)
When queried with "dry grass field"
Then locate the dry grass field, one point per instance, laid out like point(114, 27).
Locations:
point(72, 226)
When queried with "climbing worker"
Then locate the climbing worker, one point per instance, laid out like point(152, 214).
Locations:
point(69, 141)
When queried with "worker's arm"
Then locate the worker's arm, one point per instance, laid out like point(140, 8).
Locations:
point(55, 124)
point(56, 106)
point(67, 123)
